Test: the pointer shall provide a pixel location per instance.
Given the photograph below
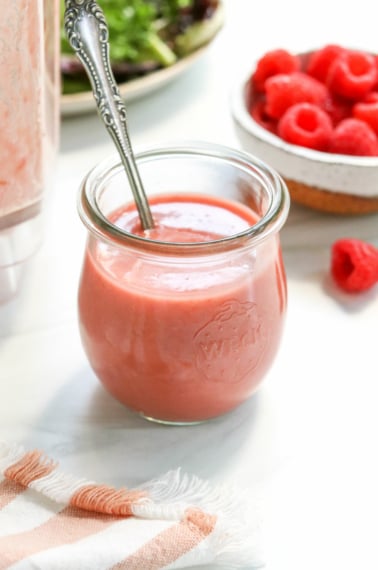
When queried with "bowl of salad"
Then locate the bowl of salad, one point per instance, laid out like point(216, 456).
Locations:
point(151, 43)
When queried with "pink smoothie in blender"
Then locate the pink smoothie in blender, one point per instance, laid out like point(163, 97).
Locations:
point(29, 98)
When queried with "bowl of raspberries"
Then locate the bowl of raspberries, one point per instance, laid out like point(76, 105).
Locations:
point(314, 118)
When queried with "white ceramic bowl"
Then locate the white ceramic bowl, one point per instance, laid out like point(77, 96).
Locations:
point(328, 182)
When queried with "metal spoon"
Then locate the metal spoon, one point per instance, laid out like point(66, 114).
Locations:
point(87, 32)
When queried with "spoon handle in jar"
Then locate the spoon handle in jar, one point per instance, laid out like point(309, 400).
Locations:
point(88, 35)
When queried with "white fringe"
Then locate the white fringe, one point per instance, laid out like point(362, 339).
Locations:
point(236, 544)
point(58, 486)
point(172, 493)
point(9, 454)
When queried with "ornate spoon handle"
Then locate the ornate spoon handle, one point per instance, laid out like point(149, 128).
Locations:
point(88, 34)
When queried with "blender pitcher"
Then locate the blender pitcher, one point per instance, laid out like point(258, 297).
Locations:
point(29, 116)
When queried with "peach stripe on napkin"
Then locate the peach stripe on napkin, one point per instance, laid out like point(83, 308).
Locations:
point(169, 545)
point(9, 490)
point(68, 526)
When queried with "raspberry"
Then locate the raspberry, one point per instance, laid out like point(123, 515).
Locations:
point(337, 108)
point(352, 136)
point(283, 91)
point(272, 63)
point(258, 113)
point(342, 82)
point(354, 265)
point(367, 110)
point(352, 74)
point(321, 60)
point(306, 125)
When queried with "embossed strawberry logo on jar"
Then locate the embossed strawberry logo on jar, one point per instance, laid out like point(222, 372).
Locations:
point(229, 347)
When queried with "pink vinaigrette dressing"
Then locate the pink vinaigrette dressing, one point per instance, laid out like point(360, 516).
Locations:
point(175, 339)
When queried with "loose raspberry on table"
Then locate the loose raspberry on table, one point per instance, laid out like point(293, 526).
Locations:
point(352, 74)
point(306, 125)
point(321, 60)
point(271, 63)
point(354, 265)
point(367, 110)
point(353, 137)
point(284, 90)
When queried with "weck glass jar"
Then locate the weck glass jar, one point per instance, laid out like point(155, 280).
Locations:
point(29, 116)
point(181, 324)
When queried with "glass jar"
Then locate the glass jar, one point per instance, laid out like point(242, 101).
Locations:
point(29, 115)
point(183, 332)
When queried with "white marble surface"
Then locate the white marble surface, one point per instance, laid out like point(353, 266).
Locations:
point(305, 447)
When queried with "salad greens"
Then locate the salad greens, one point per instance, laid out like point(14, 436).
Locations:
point(144, 35)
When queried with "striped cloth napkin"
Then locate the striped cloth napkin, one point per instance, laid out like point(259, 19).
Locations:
point(54, 521)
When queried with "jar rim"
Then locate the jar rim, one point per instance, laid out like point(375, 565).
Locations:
point(269, 223)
